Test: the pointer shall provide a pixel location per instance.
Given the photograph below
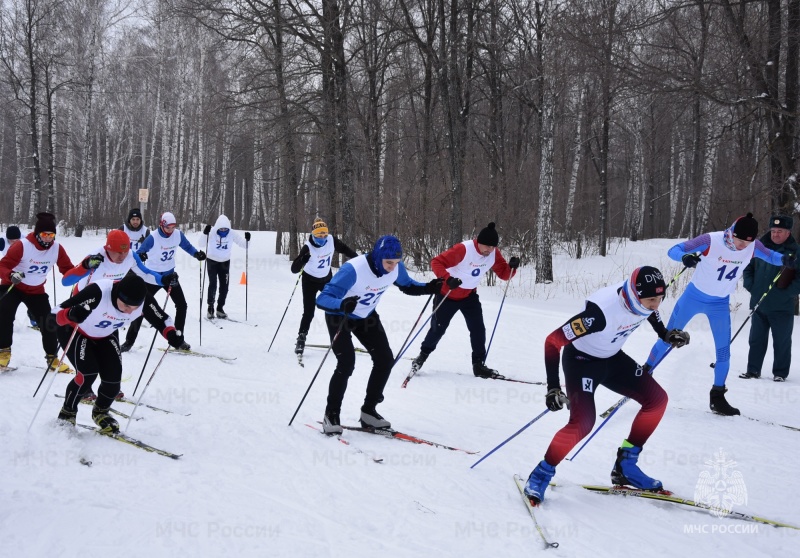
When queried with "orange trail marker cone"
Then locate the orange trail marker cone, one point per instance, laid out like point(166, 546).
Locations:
point(243, 280)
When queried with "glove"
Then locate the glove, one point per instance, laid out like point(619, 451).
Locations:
point(677, 338)
point(92, 262)
point(247, 236)
point(556, 400)
point(348, 304)
point(175, 338)
point(646, 368)
point(199, 255)
point(16, 277)
point(434, 285)
point(788, 260)
point(143, 256)
point(169, 279)
point(79, 313)
point(513, 263)
point(207, 230)
point(690, 260)
point(453, 283)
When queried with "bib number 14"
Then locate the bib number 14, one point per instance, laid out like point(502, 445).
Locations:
point(730, 276)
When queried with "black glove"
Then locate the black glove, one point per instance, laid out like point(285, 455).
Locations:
point(92, 262)
point(453, 283)
point(348, 304)
point(143, 256)
point(199, 255)
point(690, 260)
point(556, 399)
point(646, 368)
point(513, 263)
point(677, 338)
point(434, 286)
point(207, 229)
point(169, 279)
point(175, 338)
point(247, 236)
point(79, 313)
point(16, 277)
point(789, 260)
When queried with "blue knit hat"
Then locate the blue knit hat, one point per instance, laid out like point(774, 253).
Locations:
point(386, 248)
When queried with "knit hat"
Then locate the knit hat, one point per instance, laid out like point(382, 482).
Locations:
point(168, 219)
point(644, 282)
point(319, 228)
point(13, 233)
point(131, 290)
point(488, 236)
point(117, 241)
point(45, 222)
point(745, 228)
point(775, 222)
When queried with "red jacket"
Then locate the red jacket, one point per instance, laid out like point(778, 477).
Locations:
point(453, 256)
point(13, 257)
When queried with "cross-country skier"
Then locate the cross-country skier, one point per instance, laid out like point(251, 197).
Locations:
point(725, 254)
point(461, 268)
point(349, 301)
point(314, 260)
point(219, 261)
point(98, 311)
point(135, 229)
point(593, 356)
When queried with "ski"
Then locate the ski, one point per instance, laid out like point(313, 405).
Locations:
point(531, 506)
point(125, 439)
point(300, 360)
point(667, 496)
point(152, 407)
point(390, 433)
point(213, 322)
point(768, 422)
point(87, 401)
point(495, 377)
point(359, 350)
point(347, 443)
point(7, 368)
point(238, 322)
point(192, 352)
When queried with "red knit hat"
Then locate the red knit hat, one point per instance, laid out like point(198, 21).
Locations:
point(117, 241)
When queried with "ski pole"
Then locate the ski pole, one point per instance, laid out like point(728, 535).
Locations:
point(335, 337)
point(7, 291)
point(753, 311)
point(136, 406)
point(410, 331)
point(153, 342)
point(514, 435)
point(246, 281)
point(497, 320)
point(55, 373)
point(433, 313)
point(202, 286)
point(613, 409)
point(299, 275)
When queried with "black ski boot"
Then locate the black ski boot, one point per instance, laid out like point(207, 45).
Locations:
point(718, 403)
point(125, 347)
point(417, 363)
point(221, 313)
point(67, 416)
point(371, 419)
point(482, 371)
point(300, 346)
point(331, 423)
point(107, 424)
point(210, 313)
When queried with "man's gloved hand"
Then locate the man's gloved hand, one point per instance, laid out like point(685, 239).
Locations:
point(175, 338)
point(789, 260)
point(207, 230)
point(169, 279)
point(348, 304)
point(556, 399)
point(247, 236)
point(143, 256)
point(453, 283)
point(93, 261)
point(690, 260)
point(79, 313)
point(17, 277)
point(199, 255)
point(434, 285)
point(513, 263)
point(677, 338)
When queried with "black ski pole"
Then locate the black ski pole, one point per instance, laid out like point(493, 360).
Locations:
point(246, 278)
point(153, 342)
point(202, 286)
point(335, 337)
point(7, 291)
point(497, 320)
point(410, 331)
point(55, 373)
point(299, 275)
point(144, 389)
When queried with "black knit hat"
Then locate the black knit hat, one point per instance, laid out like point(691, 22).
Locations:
point(488, 236)
point(648, 282)
point(13, 233)
point(746, 228)
point(131, 290)
point(45, 222)
point(775, 222)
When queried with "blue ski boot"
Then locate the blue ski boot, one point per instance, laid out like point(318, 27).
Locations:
point(627, 473)
point(538, 481)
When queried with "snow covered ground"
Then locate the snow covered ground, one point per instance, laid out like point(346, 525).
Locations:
point(249, 485)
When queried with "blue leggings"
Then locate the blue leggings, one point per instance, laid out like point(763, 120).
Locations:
point(716, 309)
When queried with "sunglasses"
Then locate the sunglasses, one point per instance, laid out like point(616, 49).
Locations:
point(47, 235)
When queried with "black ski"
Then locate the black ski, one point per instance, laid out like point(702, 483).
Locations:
point(111, 410)
point(125, 439)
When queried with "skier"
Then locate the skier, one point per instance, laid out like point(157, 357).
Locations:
point(98, 311)
point(314, 260)
point(725, 255)
point(219, 261)
point(13, 236)
point(461, 268)
point(349, 301)
point(593, 355)
point(163, 244)
point(135, 229)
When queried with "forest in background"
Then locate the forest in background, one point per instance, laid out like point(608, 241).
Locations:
point(566, 122)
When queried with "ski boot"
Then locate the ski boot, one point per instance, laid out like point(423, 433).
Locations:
point(300, 345)
point(538, 481)
point(778, 379)
point(5, 357)
point(107, 424)
point(748, 375)
point(221, 313)
point(67, 416)
point(185, 347)
point(417, 363)
point(210, 313)
point(125, 347)
point(719, 404)
point(331, 423)
point(626, 472)
point(54, 364)
point(482, 371)
point(371, 419)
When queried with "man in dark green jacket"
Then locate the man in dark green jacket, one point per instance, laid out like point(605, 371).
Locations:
point(776, 310)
